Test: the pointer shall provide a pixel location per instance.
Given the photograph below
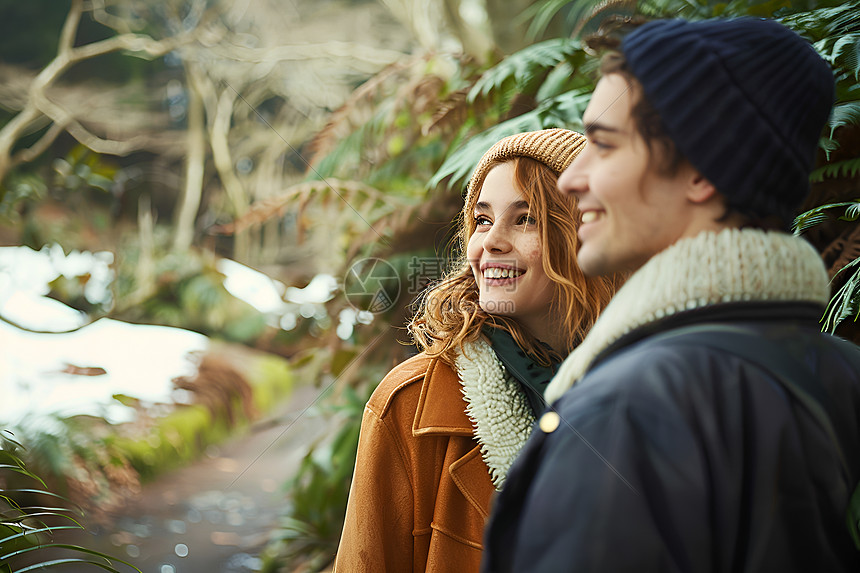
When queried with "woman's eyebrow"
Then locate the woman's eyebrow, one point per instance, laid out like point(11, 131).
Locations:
point(518, 205)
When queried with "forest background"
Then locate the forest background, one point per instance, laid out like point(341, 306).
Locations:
point(325, 144)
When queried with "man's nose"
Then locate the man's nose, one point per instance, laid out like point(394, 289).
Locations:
point(574, 179)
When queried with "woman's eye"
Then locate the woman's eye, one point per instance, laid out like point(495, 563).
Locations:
point(482, 221)
point(600, 144)
point(526, 220)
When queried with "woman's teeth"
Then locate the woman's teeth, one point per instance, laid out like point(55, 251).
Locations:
point(589, 216)
point(498, 273)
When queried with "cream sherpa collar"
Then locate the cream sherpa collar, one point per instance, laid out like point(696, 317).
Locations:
point(710, 268)
point(497, 405)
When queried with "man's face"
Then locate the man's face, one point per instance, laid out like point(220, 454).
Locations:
point(630, 212)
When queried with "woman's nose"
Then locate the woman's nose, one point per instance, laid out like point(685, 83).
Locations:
point(496, 240)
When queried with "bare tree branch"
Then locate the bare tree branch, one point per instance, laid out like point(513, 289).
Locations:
point(347, 53)
point(70, 26)
point(38, 105)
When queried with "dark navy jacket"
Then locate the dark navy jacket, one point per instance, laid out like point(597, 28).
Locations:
point(671, 456)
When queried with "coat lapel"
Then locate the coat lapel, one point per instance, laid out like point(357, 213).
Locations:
point(472, 477)
point(437, 414)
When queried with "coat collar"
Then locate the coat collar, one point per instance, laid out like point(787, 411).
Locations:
point(494, 408)
point(437, 413)
point(497, 405)
point(733, 266)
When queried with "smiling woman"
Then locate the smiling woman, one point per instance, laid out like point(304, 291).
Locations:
point(505, 255)
point(441, 430)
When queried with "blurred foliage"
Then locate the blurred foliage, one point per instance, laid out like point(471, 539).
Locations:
point(186, 291)
point(835, 33)
point(68, 201)
point(32, 527)
point(384, 179)
point(845, 302)
point(460, 112)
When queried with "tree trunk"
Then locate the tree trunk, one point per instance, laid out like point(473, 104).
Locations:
point(195, 166)
point(219, 131)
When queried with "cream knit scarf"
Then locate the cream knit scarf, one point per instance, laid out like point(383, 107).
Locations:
point(497, 405)
point(731, 266)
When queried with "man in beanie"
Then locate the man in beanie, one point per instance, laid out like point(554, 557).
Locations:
point(705, 423)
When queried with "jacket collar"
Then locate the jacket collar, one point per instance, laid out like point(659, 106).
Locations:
point(735, 266)
point(497, 405)
point(495, 409)
point(435, 413)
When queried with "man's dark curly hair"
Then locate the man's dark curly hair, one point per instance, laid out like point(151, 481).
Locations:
point(646, 118)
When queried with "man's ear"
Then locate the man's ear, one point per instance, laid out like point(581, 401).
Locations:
point(699, 188)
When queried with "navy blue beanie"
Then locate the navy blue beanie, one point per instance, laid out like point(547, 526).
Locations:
point(744, 100)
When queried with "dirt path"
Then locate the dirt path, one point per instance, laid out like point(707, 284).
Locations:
point(216, 515)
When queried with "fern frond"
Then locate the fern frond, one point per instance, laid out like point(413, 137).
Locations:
point(361, 198)
point(847, 113)
point(846, 54)
point(519, 70)
point(818, 215)
point(460, 164)
point(852, 213)
point(564, 110)
point(849, 168)
point(453, 111)
point(823, 22)
point(844, 304)
point(541, 14)
point(342, 119)
point(601, 13)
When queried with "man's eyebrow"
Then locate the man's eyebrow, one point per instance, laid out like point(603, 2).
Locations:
point(594, 126)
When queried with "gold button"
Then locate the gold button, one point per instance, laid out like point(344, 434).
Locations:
point(549, 422)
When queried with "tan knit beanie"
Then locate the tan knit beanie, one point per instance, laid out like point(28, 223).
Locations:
point(555, 148)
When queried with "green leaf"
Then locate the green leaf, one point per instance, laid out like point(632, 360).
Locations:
point(78, 549)
point(519, 70)
point(844, 114)
point(540, 14)
point(844, 304)
point(846, 54)
point(562, 111)
point(849, 168)
point(22, 471)
point(49, 564)
point(818, 215)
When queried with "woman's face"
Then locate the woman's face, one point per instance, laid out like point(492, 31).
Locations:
point(505, 254)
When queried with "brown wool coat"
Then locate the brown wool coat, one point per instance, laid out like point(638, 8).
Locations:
point(421, 491)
